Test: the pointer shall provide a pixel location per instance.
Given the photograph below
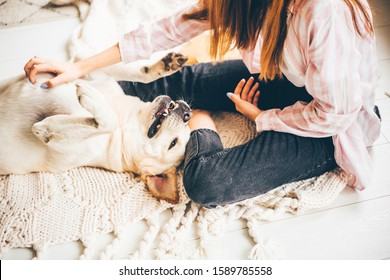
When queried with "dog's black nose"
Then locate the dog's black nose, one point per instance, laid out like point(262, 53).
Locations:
point(187, 116)
point(183, 110)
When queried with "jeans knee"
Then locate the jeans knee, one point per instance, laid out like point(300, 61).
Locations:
point(199, 185)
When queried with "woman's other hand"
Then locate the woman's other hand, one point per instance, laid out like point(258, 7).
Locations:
point(245, 97)
point(64, 71)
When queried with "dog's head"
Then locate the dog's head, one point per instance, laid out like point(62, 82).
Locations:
point(164, 135)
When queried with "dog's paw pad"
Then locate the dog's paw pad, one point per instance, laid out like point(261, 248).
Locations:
point(173, 61)
point(166, 66)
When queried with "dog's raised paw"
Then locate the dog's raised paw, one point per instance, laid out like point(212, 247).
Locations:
point(173, 61)
point(166, 66)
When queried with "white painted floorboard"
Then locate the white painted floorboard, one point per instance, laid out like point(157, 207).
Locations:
point(19, 44)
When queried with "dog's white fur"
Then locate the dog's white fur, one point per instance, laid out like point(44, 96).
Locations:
point(90, 123)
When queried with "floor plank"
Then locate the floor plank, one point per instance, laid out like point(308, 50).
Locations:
point(19, 44)
point(358, 231)
point(383, 85)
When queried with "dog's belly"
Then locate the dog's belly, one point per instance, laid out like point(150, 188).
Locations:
point(22, 105)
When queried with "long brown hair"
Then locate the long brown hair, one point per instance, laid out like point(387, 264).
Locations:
point(238, 23)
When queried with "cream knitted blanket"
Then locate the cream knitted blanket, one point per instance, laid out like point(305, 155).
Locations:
point(41, 209)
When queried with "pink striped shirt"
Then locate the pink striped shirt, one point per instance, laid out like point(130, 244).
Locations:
point(322, 52)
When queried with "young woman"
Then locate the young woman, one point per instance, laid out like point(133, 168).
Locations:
point(313, 61)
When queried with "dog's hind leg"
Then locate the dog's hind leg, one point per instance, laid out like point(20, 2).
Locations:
point(71, 128)
point(61, 128)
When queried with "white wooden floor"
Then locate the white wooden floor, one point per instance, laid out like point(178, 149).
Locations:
point(355, 226)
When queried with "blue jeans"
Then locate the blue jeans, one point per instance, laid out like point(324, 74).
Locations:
point(217, 176)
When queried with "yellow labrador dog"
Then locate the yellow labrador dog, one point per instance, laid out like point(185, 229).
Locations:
point(92, 123)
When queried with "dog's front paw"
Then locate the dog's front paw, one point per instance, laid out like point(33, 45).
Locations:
point(41, 131)
point(168, 65)
point(95, 103)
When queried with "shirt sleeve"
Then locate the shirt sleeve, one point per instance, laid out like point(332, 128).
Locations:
point(162, 34)
point(331, 77)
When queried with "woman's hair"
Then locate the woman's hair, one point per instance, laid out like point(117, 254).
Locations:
point(238, 23)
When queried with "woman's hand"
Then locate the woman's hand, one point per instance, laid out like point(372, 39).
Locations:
point(64, 71)
point(67, 71)
point(245, 97)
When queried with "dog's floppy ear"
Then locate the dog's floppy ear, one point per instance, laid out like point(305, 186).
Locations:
point(163, 186)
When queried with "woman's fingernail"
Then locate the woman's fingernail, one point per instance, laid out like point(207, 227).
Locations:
point(229, 94)
point(45, 86)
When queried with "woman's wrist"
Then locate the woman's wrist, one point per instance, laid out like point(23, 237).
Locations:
point(254, 114)
point(83, 67)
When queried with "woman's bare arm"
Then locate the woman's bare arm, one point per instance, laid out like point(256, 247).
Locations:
point(69, 71)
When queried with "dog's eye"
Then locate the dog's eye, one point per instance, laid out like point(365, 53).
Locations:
point(173, 143)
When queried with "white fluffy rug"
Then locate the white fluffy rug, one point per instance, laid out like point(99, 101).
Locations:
point(43, 208)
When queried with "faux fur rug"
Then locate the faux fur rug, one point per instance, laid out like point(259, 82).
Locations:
point(44, 208)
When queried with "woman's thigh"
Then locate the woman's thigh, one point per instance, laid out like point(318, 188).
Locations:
point(204, 86)
point(216, 176)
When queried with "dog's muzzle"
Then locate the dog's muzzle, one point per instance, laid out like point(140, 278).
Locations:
point(166, 107)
